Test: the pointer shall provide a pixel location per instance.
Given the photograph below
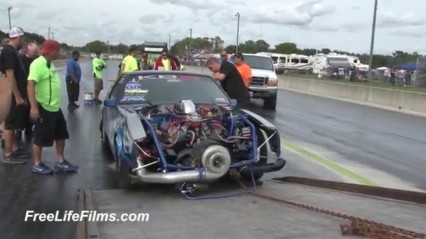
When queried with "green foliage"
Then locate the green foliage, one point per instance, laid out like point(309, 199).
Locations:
point(215, 45)
point(182, 46)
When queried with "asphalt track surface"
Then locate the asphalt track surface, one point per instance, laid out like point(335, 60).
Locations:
point(380, 144)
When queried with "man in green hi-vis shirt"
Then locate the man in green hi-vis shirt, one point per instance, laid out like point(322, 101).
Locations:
point(98, 66)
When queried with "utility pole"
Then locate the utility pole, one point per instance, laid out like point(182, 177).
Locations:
point(189, 42)
point(48, 33)
point(373, 33)
point(10, 20)
point(238, 30)
point(53, 35)
point(170, 42)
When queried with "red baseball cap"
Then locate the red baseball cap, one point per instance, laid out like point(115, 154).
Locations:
point(50, 46)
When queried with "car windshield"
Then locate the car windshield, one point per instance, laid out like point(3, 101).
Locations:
point(168, 89)
point(259, 62)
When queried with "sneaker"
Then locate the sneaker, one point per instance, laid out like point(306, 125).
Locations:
point(41, 169)
point(14, 160)
point(20, 153)
point(65, 167)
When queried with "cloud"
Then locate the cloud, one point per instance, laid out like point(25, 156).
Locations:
point(354, 27)
point(413, 32)
point(155, 18)
point(300, 13)
point(396, 19)
point(191, 4)
point(356, 8)
point(326, 28)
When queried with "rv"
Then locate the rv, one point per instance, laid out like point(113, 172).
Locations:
point(288, 61)
point(321, 62)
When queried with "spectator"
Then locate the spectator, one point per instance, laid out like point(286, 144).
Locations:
point(243, 68)
point(230, 79)
point(145, 62)
point(129, 62)
point(98, 65)
point(44, 93)
point(32, 53)
point(13, 69)
point(73, 78)
point(165, 62)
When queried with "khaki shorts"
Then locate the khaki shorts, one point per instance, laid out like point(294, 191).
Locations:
point(98, 84)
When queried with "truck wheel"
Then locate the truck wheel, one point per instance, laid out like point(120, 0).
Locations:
point(270, 103)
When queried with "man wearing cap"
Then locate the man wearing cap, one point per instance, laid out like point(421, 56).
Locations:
point(44, 94)
point(73, 78)
point(14, 71)
point(98, 65)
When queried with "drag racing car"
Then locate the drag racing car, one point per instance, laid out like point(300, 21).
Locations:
point(175, 127)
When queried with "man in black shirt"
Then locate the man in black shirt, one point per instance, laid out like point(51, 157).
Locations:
point(230, 80)
point(14, 70)
point(31, 53)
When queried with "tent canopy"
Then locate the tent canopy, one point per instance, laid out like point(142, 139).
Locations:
point(410, 66)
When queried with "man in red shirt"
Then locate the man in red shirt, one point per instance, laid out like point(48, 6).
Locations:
point(165, 63)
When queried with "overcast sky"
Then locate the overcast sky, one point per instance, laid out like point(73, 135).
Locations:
point(335, 24)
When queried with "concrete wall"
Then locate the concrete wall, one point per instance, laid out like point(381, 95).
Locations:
point(398, 99)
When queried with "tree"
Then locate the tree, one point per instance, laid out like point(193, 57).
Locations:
point(286, 48)
point(181, 47)
point(248, 47)
point(325, 51)
point(231, 48)
point(96, 45)
point(218, 44)
point(262, 45)
point(120, 48)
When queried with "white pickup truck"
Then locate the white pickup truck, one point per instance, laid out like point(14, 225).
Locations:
point(264, 83)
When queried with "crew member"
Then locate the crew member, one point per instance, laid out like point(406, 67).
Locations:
point(73, 78)
point(13, 69)
point(230, 79)
point(164, 62)
point(224, 55)
point(98, 65)
point(129, 62)
point(32, 53)
point(243, 68)
point(44, 93)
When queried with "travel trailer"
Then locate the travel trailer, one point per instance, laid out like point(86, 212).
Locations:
point(321, 62)
point(288, 61)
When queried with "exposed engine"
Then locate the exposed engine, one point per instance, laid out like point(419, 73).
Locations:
point(197, 136)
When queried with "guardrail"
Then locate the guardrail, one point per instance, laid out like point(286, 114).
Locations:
point(396, 99)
